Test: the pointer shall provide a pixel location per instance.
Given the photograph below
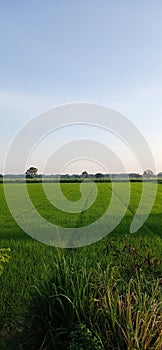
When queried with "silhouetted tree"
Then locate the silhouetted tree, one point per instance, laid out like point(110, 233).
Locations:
point(148, 173)
point(99, 175)
point(160, 174)
point(31, 172)
point(84, 174)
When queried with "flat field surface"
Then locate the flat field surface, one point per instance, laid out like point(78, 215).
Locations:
point(31, 260)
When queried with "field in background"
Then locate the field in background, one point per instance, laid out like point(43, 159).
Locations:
point(32, 262)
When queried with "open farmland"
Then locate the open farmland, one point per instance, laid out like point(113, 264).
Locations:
point(89, 276)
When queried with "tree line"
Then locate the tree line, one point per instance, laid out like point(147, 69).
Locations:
point(32, 173)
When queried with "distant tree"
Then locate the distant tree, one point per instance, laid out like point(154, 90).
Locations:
point(107, 176)
point(160, 174)
point(99, 175)
point(64, 176)
point(148, 173)
point(31, 172)
point(75, 176)
point(84, 174)
point(135, 175)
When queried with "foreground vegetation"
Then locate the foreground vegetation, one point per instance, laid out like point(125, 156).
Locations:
point(103, 296)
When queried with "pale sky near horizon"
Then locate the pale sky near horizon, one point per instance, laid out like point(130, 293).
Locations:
point(97, 51)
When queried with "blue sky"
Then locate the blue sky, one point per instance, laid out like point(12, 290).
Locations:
point(99, 51)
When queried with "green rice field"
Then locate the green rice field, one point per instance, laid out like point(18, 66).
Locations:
point(106, 295)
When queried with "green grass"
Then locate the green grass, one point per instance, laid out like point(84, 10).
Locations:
point(105, 288)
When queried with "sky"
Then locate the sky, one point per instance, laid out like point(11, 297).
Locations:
point(96, 51)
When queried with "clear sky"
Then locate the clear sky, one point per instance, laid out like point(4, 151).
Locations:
point(106, 52)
